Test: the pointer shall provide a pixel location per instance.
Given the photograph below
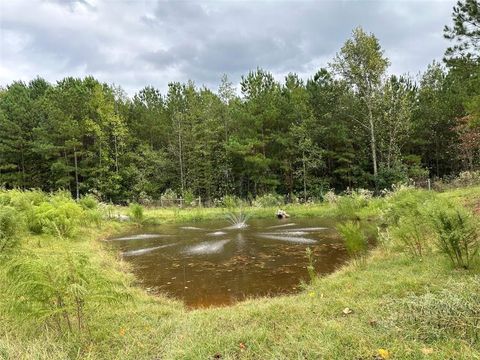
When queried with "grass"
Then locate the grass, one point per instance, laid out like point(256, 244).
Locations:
point(399, 305)
point(179, 215)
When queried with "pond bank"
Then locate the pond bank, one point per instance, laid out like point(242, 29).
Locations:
point(397, 306)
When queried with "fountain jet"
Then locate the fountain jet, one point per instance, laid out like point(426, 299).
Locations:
point(238, 220)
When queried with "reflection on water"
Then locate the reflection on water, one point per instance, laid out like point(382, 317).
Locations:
point(210, 263)
point(207, 247)
point(292, 239)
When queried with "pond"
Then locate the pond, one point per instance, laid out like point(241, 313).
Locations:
point(213, 264)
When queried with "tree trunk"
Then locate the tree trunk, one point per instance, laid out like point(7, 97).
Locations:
point(180, 158)
point(76, 173)
point(373, 144)
point(116, 154)
point(304, 178)
point(66, 165)
point(23, 169)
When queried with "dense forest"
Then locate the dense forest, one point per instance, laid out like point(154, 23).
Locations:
point(350, 125)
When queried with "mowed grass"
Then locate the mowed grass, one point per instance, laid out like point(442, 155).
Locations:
point(401, 308)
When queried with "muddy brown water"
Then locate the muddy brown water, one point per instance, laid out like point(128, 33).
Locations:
point(211, 264)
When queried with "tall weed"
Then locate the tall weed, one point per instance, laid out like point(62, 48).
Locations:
point(10, 225)
point(136, 213)
point(59, 218)
point(407, 214)
point(269, 200)
point(457, 235)
point(59, 291)
point(354, 239)
point(88, 202)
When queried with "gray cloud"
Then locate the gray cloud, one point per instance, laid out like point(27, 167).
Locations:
point(134, 44)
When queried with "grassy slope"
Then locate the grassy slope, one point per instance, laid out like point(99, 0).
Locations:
point(309, 325)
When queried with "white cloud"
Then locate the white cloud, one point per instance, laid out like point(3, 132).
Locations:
point(134, 44)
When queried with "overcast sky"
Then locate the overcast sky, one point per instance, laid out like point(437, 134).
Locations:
point(138, 43)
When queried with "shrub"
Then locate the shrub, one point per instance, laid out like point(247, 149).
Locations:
point(457, 235)
point(144, 199)
point(136, 213)
point(92, 210)
point(269, 200)
point(406, 202)
point(412, 232)
point(61, 218)
point(352, 202)
point(107, 211)
point(93, 217)
point(4, 198)
point(467, 178)
point(347, 207)
point(58, 291)
point(169, 198)
point(189, 198)
point(406, 212)
point(354, 239)
point(88, 202)
point(230, 201)
point(24, 200)
point(330, 197)
point(10, 221)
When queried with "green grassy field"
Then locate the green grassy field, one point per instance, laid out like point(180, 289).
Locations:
point(401, 306)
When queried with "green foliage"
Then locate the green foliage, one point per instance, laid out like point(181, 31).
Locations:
point(349, 205)
point(407, 213)
point(269, 200)
point(465, 31)
point(58, 291)
point(457, 234)
point(56, 214)
point(189, 198)
point(347, 126)
point(88, 202)
point(60, 216)
point(354, 239)
point(136, 213)
point(230, 202)
point(413, 233)
point(169, 198)
point(10, 225)
point(405, 202)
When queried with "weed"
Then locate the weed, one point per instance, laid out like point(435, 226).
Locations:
point(10, 224)
point(354, 239)
point(56, 290)
point(88, 202)
point(268, 200)
point(457, 235)
point(136, 213)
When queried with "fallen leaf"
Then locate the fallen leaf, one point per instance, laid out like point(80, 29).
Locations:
point(383, 354)
point(242, 346)
point(347, 311)
point(427, 351)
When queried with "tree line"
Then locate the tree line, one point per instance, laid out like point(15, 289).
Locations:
point(349, 125)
